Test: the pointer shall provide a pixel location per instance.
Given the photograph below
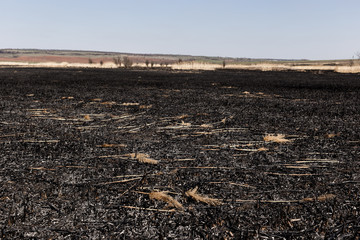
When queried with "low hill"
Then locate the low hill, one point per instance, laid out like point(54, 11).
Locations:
point(73, 56)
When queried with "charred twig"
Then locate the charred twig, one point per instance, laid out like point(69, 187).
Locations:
point(206, 167)
point(52, 207)
point(149, 209)
point(120, 181)
point(134, 185)
point(236, 184)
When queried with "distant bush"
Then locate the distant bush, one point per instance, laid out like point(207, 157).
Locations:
point(147, 63)
point(152, 64)
point(351, 63)
point(117, 61)
point(224, 64)
point(90, 61)
point(127, 62)
point(101, 62)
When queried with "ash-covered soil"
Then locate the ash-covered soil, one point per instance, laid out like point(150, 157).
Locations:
point(136, 154)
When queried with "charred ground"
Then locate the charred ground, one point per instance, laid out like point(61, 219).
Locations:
point(70, 143)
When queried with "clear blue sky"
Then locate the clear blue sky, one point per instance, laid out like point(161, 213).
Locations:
point(311, 29)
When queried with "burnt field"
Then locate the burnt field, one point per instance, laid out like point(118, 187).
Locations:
point(135, 154)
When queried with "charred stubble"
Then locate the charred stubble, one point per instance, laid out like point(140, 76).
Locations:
point(89, 153)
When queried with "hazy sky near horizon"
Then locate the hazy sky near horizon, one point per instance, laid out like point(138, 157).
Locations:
point(307, 29)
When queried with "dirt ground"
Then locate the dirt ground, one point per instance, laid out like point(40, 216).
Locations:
point(136, 154)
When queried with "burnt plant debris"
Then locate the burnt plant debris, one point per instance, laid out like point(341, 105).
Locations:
point(131, 154)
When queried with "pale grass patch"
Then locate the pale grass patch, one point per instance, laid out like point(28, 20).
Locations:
point(285, 67)
point(348, 69)
point(59, 65)
point(279, 138)
point(194, 66)
point(201, 198)
point(162, 196)
point(265, 67)
point(197, 66)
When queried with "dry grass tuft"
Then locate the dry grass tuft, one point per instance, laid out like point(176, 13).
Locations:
point(326, 197)
point(321, 198)
point(143, 158)
point(279, 138)
point(130, 104)
point(332, 135)
point(108, 103)
point(199, 198)
point(87, 117)
point(63, 98)
point(182, 116)
point(262, 149)
point(206, 125)
point(185, 124)
point(162, 196)
point(145, 106)
point(106, 145)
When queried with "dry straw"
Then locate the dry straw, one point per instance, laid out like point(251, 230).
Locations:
point(107, 145)
point(162, 196)
point(321, 198)
point(332, 135)
point(130, 104)
point(201, 198)
point(206, 125)
point(87, 117)
point(143, 158)
point(279, 138)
